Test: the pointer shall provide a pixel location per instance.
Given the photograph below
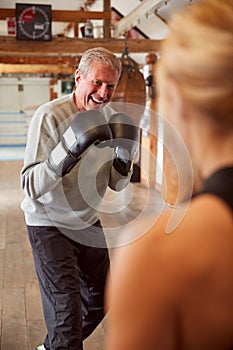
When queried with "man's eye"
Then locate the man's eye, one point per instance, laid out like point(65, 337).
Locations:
point(100, 83)
point(97, 82)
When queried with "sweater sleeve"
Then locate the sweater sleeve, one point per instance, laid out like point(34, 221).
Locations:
point(37, 178)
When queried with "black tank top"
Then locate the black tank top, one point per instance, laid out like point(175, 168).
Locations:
point(221, 184)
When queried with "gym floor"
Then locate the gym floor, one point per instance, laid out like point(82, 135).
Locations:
point(21, 319)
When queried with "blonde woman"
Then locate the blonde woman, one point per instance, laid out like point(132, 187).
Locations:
point(175, 291)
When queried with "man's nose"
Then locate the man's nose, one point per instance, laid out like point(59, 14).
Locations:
point(103, 90)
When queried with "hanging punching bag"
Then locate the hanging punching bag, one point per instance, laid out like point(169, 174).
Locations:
point(131, 87)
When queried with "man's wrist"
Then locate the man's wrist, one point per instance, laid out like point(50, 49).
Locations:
point(123, 166)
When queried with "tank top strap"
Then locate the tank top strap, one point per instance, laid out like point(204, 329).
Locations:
point(220, 184)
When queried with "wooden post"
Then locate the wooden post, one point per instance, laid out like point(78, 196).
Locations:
point(107, 22)
point(76, 29)
point(152, 60)
point(153, 144)
point(170, 178)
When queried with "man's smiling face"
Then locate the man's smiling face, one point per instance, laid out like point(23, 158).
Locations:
point(95, 88)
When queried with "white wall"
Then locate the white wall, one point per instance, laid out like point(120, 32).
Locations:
point(18, 93)
point(18, 99)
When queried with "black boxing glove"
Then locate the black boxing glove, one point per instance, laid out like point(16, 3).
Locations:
point(87, 128)
point(125, 140)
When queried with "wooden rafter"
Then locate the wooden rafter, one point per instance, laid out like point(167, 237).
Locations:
point(64, 16)
point(131, 20)
point(36, 69)
point(50, 60)
point(73, 46)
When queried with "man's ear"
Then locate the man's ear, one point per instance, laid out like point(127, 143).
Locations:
point(77, 76)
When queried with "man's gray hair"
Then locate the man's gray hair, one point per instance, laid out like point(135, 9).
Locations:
point(102, 55)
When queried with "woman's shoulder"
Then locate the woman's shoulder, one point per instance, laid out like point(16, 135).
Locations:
point(192, 246)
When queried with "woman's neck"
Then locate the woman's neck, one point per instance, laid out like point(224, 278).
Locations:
point(215, 153)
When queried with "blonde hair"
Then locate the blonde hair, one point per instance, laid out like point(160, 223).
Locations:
point(198, 55)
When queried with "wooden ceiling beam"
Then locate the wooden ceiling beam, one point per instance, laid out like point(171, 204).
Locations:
point(64, 15)
point(54, 60)
point(36, 69)
point(73, 46)
point(131, 20)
